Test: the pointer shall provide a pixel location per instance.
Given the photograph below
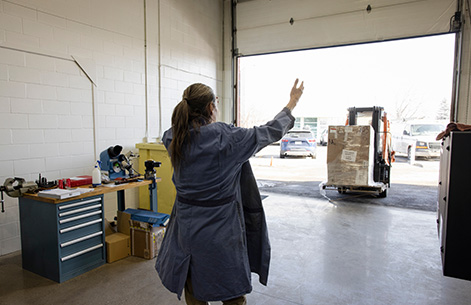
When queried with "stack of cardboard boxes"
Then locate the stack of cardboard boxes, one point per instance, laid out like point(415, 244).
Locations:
point(139, 233)
point(118, 243)
point(350, 155)
point(146, 239)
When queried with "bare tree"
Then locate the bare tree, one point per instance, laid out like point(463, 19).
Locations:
point(408, 106)
point(252, 116)
point(406, 110)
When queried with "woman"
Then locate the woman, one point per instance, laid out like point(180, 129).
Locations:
point(205, 246)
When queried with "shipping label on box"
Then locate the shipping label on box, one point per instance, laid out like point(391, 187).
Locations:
point(350, 155)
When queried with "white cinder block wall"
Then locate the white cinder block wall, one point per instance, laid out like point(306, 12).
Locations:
point(75, 79)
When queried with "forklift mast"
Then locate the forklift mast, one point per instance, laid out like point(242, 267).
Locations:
point(382, 158)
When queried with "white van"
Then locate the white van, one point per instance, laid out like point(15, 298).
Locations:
point(422, 136)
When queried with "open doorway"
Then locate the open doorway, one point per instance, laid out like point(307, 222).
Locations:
point(410, 78)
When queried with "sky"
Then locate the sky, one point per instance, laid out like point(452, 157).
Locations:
point(416, 71)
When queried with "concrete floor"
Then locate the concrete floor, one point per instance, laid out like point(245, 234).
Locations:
point(322, 253)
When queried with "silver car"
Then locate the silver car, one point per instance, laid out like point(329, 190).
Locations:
point(298, 143)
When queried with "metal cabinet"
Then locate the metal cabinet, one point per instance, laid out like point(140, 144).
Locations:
point(454, 205)
point(166, 191)
point(60, 241)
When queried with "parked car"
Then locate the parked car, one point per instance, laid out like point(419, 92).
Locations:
point(298, 143)
point(422, 136)
point(324, 137)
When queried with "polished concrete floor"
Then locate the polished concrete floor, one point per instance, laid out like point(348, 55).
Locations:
point(348, 253)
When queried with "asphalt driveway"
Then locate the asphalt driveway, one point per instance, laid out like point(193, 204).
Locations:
point(413, 186)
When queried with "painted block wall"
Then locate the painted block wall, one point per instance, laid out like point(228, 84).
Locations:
point(75, 79)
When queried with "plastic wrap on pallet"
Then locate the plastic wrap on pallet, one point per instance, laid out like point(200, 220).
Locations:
point(350, 155)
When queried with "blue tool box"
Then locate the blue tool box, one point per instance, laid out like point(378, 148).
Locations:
point(154, 218)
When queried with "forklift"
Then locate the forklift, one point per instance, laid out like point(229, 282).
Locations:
point(383, 155)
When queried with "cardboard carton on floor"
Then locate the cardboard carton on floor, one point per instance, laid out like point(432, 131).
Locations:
point(350, 159)
point(109, 228)
point(123, 222)
point(118, 246)
point(146, 239)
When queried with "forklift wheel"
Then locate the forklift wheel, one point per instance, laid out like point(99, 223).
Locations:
point(383, 194)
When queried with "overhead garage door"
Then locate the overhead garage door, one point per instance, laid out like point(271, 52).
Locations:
point(265, 26)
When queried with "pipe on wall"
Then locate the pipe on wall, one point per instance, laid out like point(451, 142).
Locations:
point(148, 134)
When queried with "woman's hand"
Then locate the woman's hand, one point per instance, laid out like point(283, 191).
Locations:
point(295, 94)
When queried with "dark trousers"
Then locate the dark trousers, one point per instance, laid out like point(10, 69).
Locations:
point(190, 299)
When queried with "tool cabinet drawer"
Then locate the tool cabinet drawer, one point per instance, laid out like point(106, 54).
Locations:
point(78, 261)
point(80, 243)
point(80, 236)
point(80, 221)
point(79, 218)
point(71, 234)
point(77, 208)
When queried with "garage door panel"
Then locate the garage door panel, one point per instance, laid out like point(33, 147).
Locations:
point(257, 13)
point(263, 27)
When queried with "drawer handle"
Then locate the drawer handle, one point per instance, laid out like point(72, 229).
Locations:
point(81, 252)
point(81, 225)
point(81, 239)
point(67, 206)
point(79, 217)
point(80, 210)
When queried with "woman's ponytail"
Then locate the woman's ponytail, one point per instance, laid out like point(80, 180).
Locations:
point(192, 112)
point(180, 131)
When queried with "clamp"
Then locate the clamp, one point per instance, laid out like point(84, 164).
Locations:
point(16, 187)
point(150, 174)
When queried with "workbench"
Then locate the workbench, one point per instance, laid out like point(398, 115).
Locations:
point(63, 238)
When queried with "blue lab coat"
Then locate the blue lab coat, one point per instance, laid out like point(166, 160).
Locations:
point(206, 237)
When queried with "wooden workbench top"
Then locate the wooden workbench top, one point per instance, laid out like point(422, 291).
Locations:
point(99, 190)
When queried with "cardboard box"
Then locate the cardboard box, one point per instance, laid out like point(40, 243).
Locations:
point(110, 228)
point(118, 246)
point(124, 222)
point(146, 239)
point(350, 155)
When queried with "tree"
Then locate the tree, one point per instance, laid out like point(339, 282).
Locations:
point(251, 116)
point(443, 112)
point(406, 110)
